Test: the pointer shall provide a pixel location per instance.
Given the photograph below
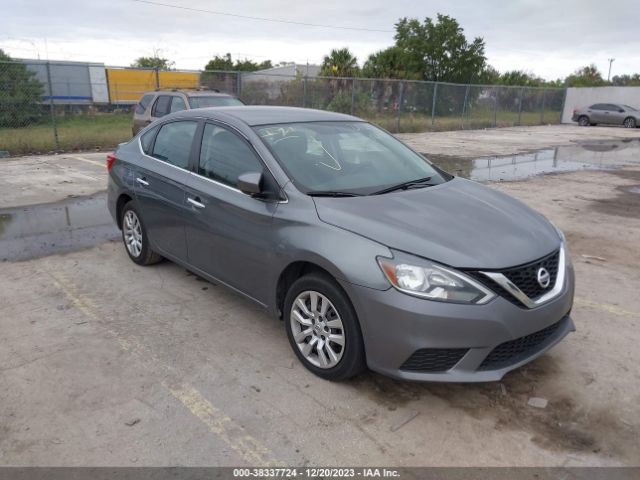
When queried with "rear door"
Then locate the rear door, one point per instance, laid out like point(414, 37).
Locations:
point(596, 113)
point(160, 179)
point(229, 233)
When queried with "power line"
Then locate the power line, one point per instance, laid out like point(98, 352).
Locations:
point(263, 19)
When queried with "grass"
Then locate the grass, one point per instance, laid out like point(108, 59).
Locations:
point(105, 131)
point(77, 132)
point(417, 122)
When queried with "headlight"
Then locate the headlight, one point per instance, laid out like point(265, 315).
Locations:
point(426, 279)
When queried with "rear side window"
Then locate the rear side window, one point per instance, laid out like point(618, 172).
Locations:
point(224, 156)
point(598, 106)
point(177, 104)
point(162, 105)
point(144, 103)
point(147, 139)
point(173, 143)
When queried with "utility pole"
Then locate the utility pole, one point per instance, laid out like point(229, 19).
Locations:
point(611, 60)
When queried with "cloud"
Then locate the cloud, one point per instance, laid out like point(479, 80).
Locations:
point(547, 37)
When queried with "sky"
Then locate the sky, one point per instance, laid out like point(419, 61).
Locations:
point(550, 38)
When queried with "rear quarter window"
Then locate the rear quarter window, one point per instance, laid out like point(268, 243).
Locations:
point(143, 104)
point(146, 140)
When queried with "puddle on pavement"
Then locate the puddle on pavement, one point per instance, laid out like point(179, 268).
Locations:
point(39, 230)
point(600, 155)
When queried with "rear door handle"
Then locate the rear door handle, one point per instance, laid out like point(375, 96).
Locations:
point(195, 202)
point(142, 182)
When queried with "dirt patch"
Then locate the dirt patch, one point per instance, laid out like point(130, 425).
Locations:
point(626, 203)
point(564, 424)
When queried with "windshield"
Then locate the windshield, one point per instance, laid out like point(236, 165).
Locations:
point(349, 157)
point(213, 101)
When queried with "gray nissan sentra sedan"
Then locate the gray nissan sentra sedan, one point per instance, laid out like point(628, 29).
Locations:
point(372, 256)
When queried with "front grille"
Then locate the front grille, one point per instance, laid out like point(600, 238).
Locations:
point(525, 277)
point(433, 359)
point(513, 351)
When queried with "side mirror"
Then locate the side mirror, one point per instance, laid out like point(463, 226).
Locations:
point(250, 183)
point(621, 110)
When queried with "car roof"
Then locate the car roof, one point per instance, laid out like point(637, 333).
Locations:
point(193, 93)
point(265, 115)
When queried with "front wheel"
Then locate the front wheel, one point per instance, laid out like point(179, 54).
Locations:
point(323, 328)
point(630, 122)
point(135, 237)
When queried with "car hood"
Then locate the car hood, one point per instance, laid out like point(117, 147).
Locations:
point(459, 223)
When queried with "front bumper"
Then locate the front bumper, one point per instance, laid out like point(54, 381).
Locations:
point(395, 326)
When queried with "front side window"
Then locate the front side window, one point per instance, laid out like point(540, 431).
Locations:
point(224, 156)
point(173, 143)
point(162, 106)
point(177, 105)
point(202, 101)
point(351, 157)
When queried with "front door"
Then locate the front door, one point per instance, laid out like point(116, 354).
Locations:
point(229, 233)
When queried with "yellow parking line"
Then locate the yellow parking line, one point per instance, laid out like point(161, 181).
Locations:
point(222, 425)
point(87, 160)
point(606, 307)
point(217, 422)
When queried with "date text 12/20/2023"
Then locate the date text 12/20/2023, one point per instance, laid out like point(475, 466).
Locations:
point(317, 472)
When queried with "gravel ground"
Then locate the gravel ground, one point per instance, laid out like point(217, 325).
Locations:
point(103, 362)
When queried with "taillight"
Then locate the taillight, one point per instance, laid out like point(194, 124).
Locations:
point(111, 159)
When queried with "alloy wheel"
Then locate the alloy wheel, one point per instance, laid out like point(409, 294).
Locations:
point(317, 329)
point(630, 123)
point(132, 230)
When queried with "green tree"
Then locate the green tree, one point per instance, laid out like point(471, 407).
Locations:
point(588, 76)
point(20, 93)
point(439, 51)
point(520, 78)
point(153, 62)
point(220, 63)
point(226, 63)
point(391, 62)
point(488, 76)
point(339, 63)
point(626, 80)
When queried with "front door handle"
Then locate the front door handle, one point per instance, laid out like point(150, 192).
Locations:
point(195, 202)
point(142, 182)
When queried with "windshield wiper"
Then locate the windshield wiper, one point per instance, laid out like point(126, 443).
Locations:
point(331, 193)
point(420, 182)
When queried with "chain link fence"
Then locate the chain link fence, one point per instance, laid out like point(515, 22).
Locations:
point(52, 106)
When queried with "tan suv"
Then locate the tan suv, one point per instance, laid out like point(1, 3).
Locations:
point(159, 103)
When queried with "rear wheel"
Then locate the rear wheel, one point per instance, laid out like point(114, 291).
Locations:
point(323, 328)
point(583, 121)
point(629, 122)
point(135, 237)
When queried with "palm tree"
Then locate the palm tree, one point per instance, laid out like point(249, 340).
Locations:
point(339, 63)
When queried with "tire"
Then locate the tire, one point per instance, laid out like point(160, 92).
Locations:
point(338, 323)
point(629, 122)
point(583, 121)
point(135, 238)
